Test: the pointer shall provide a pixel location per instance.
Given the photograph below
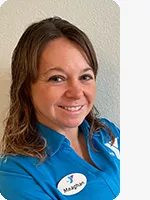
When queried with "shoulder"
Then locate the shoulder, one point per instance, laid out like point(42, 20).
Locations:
point(17, 173)
point(16, 164)
point(104, 138)
point(112, 126)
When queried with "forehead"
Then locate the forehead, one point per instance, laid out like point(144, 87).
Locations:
point(63, 53)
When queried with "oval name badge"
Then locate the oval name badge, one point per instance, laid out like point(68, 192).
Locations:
point(72, 184)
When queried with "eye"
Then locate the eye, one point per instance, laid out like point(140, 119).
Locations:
point(86, 77)
point(56, 78)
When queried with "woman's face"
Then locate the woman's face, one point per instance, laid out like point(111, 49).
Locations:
point(65, 90)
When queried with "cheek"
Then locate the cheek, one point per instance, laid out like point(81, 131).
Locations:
point(93, 95)
point(91, 92)
point(39, 96)
point(46, 97)
point(92, 89)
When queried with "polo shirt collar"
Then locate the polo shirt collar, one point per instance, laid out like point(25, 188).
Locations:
point(56, 139)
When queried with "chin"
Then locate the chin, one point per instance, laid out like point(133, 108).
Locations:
point(72, 123)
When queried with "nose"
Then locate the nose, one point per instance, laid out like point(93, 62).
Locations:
point(74, 90)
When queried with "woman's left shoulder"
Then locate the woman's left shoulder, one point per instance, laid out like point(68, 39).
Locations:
point(115, 147)
point(112, 126)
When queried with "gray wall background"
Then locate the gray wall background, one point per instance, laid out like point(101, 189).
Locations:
point(100, 19)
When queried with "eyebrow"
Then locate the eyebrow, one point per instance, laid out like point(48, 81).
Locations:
point(62, 70)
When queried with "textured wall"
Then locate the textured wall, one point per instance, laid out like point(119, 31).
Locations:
point(98, 18)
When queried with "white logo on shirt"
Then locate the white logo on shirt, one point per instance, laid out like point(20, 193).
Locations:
point(1, 197)
point(114, 148)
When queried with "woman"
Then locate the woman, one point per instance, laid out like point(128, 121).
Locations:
point(54, 146)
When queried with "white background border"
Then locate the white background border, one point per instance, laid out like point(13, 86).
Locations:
point(135, 99)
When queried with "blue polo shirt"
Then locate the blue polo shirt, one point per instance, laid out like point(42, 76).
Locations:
point(65, 175)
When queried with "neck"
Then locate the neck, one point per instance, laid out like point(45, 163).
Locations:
point(72, 135)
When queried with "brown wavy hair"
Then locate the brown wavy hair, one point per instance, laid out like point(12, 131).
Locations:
point(21, 136)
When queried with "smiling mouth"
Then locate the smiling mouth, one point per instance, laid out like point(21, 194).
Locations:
point(72, 108)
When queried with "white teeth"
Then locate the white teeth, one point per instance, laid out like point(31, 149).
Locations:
point(72, 108)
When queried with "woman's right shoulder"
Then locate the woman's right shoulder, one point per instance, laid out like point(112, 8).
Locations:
point(14, 163)
point(19, 178)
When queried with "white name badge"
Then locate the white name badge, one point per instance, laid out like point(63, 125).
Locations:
point(72, 184)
